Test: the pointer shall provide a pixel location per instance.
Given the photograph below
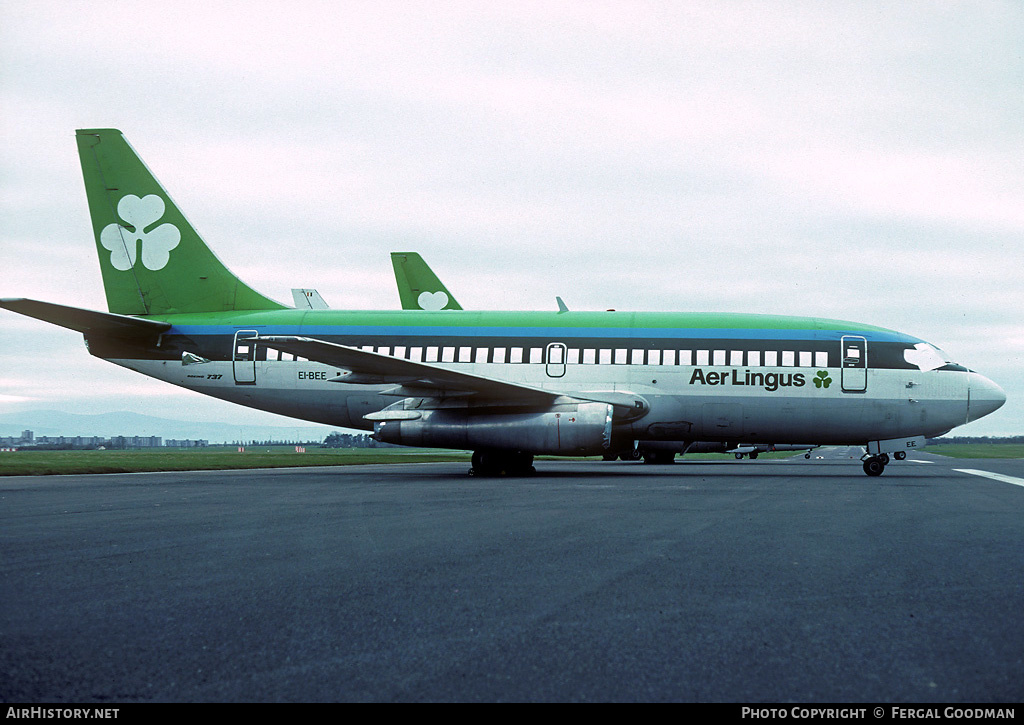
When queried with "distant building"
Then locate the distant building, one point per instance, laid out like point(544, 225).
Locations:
point(136, 442)
point(27, 437)
point(186, 443)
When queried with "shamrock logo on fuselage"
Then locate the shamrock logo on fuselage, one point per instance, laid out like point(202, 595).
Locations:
point(123, 240)
point(821, 380)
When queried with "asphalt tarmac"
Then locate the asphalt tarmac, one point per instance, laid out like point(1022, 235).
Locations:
point(739, 581)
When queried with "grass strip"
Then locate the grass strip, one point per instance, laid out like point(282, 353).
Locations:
point(42, 463)
point(978, 450)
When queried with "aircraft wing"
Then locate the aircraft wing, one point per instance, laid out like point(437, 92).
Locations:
point(416, 379)
point(375, 368)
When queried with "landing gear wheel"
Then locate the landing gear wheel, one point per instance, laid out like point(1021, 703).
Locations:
point(739, 456)
point(874, 466)
point(753, 456)
point(899, 455)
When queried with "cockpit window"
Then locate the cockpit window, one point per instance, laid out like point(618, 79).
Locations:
point(926, 356)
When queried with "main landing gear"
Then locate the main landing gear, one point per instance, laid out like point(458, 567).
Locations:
point(502, 463)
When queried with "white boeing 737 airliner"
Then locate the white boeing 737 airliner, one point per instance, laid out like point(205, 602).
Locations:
point(507, 385)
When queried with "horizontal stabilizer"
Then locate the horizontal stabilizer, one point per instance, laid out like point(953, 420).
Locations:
point(86, 321)
point(308, 299)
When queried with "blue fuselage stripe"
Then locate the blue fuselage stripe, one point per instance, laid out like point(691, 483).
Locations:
point(547, 333)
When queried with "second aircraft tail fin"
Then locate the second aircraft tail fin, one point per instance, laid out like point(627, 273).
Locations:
point(418, 286)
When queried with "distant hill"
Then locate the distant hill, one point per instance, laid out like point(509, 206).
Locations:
point(57, 423)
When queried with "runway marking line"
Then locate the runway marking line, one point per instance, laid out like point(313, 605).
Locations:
point(995, 476)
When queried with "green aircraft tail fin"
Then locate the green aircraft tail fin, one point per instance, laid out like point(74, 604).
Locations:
point(152, 260)
point(418, 286)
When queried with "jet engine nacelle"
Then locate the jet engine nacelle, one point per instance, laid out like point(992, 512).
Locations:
point(583, 429)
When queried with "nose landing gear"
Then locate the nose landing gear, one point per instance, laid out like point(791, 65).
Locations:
point(874, 465)
point(875, 459)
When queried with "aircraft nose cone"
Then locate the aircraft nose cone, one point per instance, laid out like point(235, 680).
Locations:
point(985, 397)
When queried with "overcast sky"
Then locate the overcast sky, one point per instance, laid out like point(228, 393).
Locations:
point(854, 160)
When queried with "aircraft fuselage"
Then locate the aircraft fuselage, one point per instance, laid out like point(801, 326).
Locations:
point(744, 378)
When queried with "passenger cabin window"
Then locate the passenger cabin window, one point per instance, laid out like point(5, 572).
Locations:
point(591, 356)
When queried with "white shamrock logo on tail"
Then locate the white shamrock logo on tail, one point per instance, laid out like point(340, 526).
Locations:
point(123, 243)
point(432, 300)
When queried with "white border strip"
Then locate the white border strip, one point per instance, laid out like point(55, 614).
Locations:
point(995, 476)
